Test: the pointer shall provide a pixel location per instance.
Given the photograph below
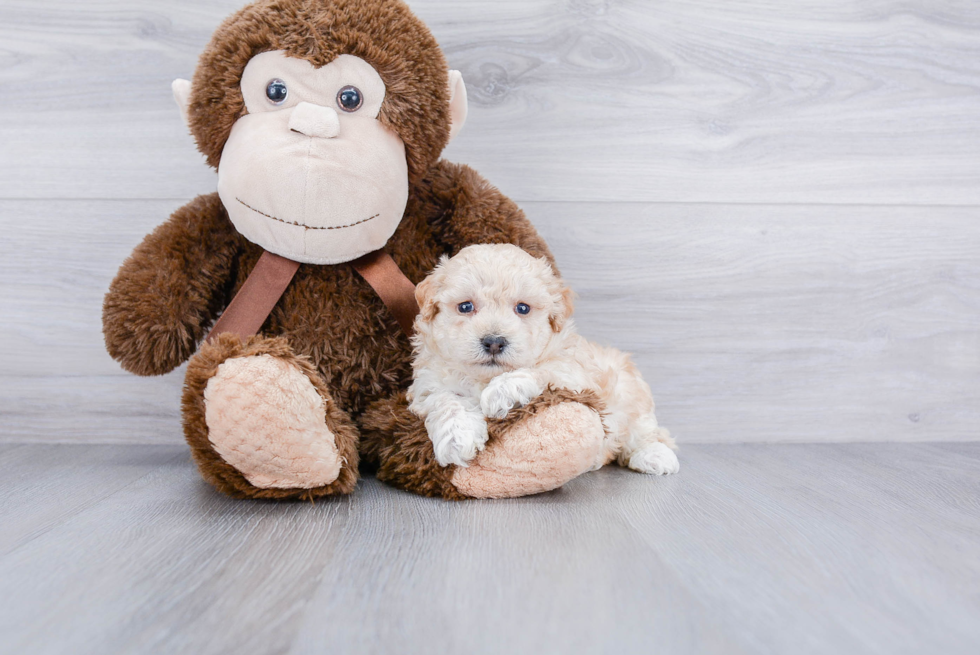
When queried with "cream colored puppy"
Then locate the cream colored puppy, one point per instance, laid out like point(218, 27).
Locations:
point(493, 333)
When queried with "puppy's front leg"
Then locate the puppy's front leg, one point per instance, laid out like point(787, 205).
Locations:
point(455, 425)
point(510, 390)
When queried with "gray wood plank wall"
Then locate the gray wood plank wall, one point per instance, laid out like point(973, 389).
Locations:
point(774, 205)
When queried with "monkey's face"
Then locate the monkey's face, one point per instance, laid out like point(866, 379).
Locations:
point(310, 173)
point(320, 115)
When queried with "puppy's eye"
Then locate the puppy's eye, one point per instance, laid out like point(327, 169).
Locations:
point(465, 307)
point(523, 309)
point(276, 92)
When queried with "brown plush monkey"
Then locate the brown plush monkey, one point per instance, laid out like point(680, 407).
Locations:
point(325, 120)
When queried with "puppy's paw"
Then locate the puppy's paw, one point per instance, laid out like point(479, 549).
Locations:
point(655, 459)
point(508, 390)
point(458, 438)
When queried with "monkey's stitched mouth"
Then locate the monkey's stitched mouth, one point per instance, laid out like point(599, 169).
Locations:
point(307, 227)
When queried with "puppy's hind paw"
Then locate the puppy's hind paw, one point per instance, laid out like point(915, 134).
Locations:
point(654, 459)
point(508, 390)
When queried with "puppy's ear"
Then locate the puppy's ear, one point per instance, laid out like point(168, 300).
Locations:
point(563, 308)
point(425, 296)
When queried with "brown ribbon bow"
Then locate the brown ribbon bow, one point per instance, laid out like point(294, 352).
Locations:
point(267, 282)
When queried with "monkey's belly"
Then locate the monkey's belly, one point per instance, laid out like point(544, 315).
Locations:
point(339, 323)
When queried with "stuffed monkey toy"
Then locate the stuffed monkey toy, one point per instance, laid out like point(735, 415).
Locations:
point(290, 290)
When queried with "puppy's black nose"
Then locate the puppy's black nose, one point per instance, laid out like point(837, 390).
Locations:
point(493, 344)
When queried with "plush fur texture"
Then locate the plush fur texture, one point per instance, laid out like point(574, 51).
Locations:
point(329, 324)
point(305, 179)
point(395, 441)
point(226, 478)
point(268, 420)
point(500, 296)
point(535, 448)
point(384, 33)
point(329, 313)
point(539, 454)
point(170, 289)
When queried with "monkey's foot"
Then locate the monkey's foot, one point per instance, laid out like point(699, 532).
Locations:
point(267, 420)
point(539, 447)
point(269, 428)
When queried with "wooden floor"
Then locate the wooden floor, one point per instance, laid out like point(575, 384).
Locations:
point(833, 548)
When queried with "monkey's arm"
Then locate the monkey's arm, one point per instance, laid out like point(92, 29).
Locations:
point(477, 212)
point(170, 289)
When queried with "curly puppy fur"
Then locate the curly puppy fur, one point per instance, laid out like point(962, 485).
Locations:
point(494, 331)
point(169, 292)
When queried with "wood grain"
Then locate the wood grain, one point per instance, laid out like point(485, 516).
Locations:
point(590, 100)
point(849, 548)
point(44, 486)
point(785, 323)
point(751, 323)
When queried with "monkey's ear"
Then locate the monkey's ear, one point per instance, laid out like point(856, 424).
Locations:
point(458, 105)
point(182, 94)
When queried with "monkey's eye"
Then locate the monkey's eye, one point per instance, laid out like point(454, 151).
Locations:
point(276, 92)
point(350, 98)
point(465, 307)
point(523, 309)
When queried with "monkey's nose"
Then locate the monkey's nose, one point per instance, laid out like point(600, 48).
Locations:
point(493, 344)
point(314, 120)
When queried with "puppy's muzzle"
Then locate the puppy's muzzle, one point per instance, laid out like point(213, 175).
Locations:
point(494, 344)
